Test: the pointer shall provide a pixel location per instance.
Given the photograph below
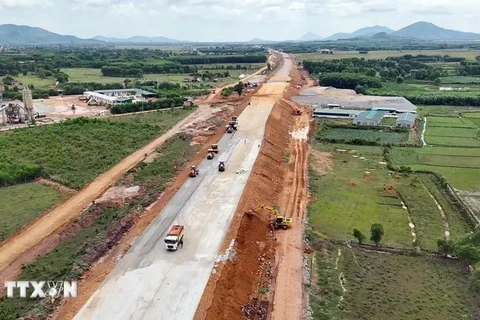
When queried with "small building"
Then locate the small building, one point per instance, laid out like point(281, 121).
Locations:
point(335, 113)
point(406, 120)
point(369, 118)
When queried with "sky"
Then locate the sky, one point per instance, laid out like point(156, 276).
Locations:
point(233, 20)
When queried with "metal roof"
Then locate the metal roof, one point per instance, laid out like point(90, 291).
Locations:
point(336, 111)
point(410, 117)
point(371, 115)
point(138, 91)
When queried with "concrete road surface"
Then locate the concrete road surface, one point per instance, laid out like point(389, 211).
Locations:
point(151, 283)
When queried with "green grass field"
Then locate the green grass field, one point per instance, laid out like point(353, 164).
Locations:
point(347, 135)
point(446, 111)
point(460, 80)
point(22, 203)
point(454, 122)
point(452, 141)
point(383, 286)
point(444, 161)
point(348, 200)
point(73, 256)
point(382, 54)
point(95, 75)
point(36, 81)
point(451, 132)
point(75, 152)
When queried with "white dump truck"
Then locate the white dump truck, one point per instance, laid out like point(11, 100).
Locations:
point(174, 237)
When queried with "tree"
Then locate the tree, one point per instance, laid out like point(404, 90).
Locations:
point(359, 235)
point(8, 80)
point(62, 77)
point(437, 81)
point(399, 80)
point(239, 88)
point(445, 246)
point(376, 233)
point(468, 253)
point(359, 89)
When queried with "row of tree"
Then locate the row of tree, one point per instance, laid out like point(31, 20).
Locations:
point(144, 106)
point(211, 59)
point(376, 234)
point(12, 172)
point(346, 80)
point(139, 69)
point(388, 70)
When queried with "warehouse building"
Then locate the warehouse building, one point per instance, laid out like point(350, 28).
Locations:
point(335, 113)
point(406, 120)
point(369, 118)
point(127, 92)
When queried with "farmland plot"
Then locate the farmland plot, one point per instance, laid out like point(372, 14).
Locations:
point(347, 135)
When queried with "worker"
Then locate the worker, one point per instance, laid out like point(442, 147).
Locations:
point(181, 243)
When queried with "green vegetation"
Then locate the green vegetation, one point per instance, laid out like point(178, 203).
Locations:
point(350, 198)
point(22, 203)
point(348, 80)
point(146, 106)
point(361, 135)
point(76, 151)
point(72, 257)
point(379, 286)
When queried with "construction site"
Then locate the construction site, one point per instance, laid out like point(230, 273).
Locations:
point(234, 218)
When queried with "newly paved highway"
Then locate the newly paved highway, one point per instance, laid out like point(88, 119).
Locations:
point(151, 283)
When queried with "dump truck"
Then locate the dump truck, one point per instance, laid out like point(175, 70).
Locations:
point(221, 166)
point(215, 148)
point(174, 237)
point(194, 171)
point(211, 154)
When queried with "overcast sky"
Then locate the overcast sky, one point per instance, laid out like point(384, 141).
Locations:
point(233, 20)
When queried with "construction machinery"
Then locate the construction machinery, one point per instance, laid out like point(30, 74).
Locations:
point(194, 172)
point(221, 166)
point(174, 237)
point(229, 129)
point(277, 220)
point(214, 148)
point(211, 154)
point(297, 112)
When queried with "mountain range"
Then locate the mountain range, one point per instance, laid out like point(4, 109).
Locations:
point(11, 34)
point(421, 30)
point(137, 39)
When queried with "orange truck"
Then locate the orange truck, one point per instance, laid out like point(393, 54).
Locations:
point(174, 237)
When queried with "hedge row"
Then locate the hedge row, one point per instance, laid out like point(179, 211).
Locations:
point(144, 106)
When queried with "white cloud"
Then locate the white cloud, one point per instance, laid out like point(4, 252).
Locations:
point(24, 3)
point(296, 6)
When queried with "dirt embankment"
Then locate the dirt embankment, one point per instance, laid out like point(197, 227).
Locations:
point(239, 288)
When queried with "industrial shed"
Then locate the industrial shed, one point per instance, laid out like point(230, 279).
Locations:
point(335, 113)
point(369, 118)
point(406, 120)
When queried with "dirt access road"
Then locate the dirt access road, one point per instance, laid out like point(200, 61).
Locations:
point(150, 283)
point(32, 234)
point(288, 301)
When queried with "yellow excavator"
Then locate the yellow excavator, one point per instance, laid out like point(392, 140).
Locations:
point(278, 220)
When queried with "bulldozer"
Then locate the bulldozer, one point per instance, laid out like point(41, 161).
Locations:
point(278, 221)
point(194, 171)
point(221, 166)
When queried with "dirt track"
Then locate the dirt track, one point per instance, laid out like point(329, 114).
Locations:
point(288, 290)
point(49, 223)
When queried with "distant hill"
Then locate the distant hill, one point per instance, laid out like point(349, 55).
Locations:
point(310, 36)
point(368, 31)
point(260, 41)
point(138, 39)
point(428, 31)
point(11, 34)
